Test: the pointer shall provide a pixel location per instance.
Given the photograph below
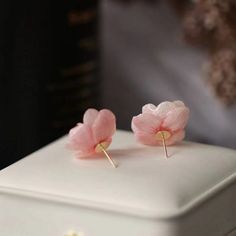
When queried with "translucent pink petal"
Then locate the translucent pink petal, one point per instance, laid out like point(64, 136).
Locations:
point(149, 108)
point(176, 138)
point(163, 108)
point(104, 126)
point(176, 119)
point(90, 116)
point(179, 104)
point(169, 116)
point(146, 138)
point(145, 122)
point(80, 139)
point(73, 130)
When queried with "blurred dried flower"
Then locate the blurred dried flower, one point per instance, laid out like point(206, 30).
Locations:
point(222, 75)
point(211, 24)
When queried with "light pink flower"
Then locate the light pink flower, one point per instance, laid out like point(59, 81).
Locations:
point(168, 117)
point(97, 128)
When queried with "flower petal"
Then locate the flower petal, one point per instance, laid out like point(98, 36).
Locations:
point(176, 119)
point(163, 108)
point(74, 130)
point(104, 126)
point(176, 138)
point(179, 103)
point(90, 116)
point(145, 122)
point(146, 138)
point(148, 108)
point(80, 139)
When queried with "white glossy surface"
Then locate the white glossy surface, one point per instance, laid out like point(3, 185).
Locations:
point(145, 183)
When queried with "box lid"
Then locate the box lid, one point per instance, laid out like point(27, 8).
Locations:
point(145, 183)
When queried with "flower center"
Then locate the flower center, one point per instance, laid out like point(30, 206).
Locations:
point(103, 145)
point(162, 134)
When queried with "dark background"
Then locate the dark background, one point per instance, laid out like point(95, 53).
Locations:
point(48, 71)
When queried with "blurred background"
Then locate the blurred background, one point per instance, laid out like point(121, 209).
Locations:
point(58, 59)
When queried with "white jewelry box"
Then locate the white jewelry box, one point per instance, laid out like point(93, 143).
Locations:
point(192, 193)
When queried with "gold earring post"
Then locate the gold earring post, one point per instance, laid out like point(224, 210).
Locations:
point(107, 155)
point(164, 144)
point(163, 135)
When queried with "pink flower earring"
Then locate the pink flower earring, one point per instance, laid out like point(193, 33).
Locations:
point(161, 125)
point(94, 135)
